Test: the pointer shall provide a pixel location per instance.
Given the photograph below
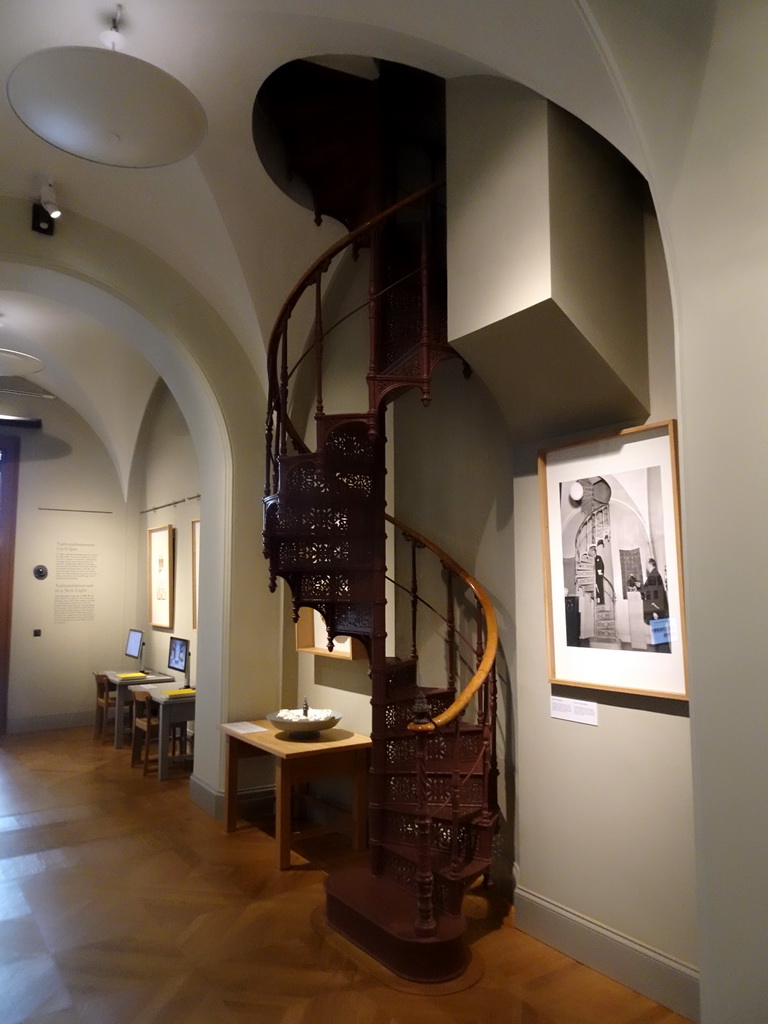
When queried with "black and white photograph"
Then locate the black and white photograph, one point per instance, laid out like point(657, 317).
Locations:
point(613, 566)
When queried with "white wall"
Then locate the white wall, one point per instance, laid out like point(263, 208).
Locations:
point(64, 467)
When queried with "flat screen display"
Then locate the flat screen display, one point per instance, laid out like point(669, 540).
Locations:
point(133, 643)
point(178, 652)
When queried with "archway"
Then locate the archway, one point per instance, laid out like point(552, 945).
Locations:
point(105, 277)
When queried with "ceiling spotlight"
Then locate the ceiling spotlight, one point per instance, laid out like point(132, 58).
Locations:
point(48, 200)
point(113, 38)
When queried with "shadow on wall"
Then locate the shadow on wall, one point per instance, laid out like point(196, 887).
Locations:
point(454, 483)
point(46, 448)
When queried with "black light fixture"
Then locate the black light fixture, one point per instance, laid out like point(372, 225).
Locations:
point(46, 210)
point(42, 222)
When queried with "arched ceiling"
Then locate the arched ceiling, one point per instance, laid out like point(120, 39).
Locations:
point(84, 365)
point(215, 217)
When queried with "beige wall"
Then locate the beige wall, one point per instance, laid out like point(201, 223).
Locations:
point(606, 813)
point(165, 472)
point(64, 466)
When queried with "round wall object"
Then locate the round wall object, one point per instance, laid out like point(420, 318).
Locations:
point(40, 572)
point(106, 106)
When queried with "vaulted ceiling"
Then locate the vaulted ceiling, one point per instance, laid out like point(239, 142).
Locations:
point(215, 217)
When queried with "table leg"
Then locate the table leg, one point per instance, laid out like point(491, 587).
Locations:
point(360, 802)
point(230, 784)
point(283, 813)
point(163, 734)
point(119, 716)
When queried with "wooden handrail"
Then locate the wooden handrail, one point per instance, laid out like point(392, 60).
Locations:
point(311, 275)
point(492, 634)
point(322, 262)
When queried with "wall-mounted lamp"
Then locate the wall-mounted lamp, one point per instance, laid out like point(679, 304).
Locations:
point(46, 211)
point(48, 200)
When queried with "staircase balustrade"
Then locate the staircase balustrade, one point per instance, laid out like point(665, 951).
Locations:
point(433, 808)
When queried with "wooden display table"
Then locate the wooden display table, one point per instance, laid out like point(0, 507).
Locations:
point(334, 752)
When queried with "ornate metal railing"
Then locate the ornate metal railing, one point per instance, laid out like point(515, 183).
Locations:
point(472, 787)
point(279, 427)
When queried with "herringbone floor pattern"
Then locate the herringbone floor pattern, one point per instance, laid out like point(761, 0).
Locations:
point(122, 903)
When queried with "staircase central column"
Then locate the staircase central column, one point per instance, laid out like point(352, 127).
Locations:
point(378, 650)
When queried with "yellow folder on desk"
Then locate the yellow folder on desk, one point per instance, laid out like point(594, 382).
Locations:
point(187, 692)
point(130, 675)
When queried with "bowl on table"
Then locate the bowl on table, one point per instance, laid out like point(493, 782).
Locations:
point(302, 726)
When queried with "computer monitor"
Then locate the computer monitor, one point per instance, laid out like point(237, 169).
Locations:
point(134, 643)
point(178, 654)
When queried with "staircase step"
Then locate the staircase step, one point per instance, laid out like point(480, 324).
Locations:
point(401, 675)
point(379, 916)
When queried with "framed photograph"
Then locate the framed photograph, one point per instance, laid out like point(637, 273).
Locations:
point(195, 569)
point(612, 562)
point(160, 576)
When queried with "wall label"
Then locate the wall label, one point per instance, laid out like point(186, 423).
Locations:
point(582, 711)
point(74, 597)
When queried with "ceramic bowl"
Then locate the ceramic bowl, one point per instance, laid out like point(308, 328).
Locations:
point(303, 728)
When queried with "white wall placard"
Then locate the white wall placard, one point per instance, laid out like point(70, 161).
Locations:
point(583, 711)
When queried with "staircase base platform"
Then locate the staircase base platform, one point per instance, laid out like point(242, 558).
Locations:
point(378, 917)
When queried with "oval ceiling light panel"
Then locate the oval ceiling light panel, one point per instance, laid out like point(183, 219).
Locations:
point(106, 106)
point(20, 364)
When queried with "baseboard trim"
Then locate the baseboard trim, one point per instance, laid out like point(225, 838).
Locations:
point(212, 800)
point(662, 978)
point(40, 723)
point(209, 799)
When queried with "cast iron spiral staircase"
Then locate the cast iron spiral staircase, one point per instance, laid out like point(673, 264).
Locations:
point(433, 810)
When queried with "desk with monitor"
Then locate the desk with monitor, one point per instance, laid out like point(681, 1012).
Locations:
point(158, 684)
point(174, 705)
point(122, 682)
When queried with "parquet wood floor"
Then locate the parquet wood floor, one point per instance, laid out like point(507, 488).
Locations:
point(121, 902)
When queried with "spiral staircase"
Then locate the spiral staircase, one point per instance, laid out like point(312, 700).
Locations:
point(432, 796)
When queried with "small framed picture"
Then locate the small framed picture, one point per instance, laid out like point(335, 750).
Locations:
point(612, 562)
point(160, 570)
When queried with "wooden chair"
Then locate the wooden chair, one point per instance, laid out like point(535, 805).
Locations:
point(145, 729)
point(106, 701)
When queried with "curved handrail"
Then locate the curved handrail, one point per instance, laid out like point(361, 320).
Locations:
point(330, 254)
point(319, 267)
point(492, 633)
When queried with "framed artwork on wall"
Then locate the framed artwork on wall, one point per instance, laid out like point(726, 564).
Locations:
point(612, 562)
point(195, 569)
point(160, 576)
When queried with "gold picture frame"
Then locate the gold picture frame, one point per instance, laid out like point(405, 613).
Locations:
point(613, 562)
point(160, 576)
